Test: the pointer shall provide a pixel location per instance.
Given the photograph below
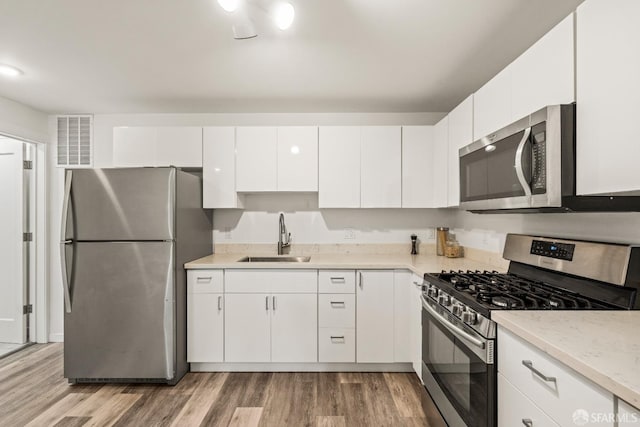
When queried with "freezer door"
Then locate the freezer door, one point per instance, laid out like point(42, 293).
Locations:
point(121, 204)
point(121, 323)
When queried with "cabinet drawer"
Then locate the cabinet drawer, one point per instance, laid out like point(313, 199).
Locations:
point(271, 281)
point(337, 310)
point(562, 393)
point(205, 281)
point(337, 281)
point(336, 345)
point(515, 409)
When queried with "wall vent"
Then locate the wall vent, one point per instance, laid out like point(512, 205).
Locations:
point(75, 135)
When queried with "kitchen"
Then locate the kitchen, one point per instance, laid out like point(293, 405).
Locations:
point(382, 170)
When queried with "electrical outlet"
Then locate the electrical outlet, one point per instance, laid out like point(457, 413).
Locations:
point(349, 234)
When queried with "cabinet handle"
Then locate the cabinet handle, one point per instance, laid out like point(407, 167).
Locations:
point(340, 304)
point(529, 365)
point(338, 280)
point(220, 303)
point(360, 276)
point(337, 339)
point(527, 422)
point(266, 303)
point(274, 303)
point(206, 279)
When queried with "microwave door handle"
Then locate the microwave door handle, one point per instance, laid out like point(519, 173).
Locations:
point(518, 163)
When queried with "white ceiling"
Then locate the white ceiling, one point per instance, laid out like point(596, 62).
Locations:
point(128, 56)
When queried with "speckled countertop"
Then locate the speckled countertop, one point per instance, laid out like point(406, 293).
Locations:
point(603, 346)
point(419, 264)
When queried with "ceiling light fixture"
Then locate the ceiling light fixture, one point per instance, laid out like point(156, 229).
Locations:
point(284, 14)
point(229, 5)
point(9, 71)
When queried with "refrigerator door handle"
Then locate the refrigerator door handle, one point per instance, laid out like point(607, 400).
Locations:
point(64, 242)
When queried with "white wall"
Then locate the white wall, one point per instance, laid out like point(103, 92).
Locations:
point(19, 120)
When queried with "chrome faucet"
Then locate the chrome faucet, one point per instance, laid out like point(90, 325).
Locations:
point(284, 240)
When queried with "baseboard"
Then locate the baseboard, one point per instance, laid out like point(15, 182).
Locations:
point(56, 337)
point(301, 367)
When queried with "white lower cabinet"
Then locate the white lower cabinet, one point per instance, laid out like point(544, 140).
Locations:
point(205, 316)
point(627, 415)
point(294, 326)
point(402, 316)
point(556, 389)
point(247, 328)
point(415, 323)
point(516, 409)
point(336, 345)
point(374, 318)
point(336, 316)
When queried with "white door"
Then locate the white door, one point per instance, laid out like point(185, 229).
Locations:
point(417, 154)
point(247, 328)
point(374, 318)
point(256, 158)
point(12, 289)
point(294, 328)
point(298, 158)
point(339, 167)
point(205, 327)
point(381, 167)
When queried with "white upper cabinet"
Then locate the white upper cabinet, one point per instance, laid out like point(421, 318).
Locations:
point(440, 164)
point(418, 147)
point(339, 167)
point(460, 134)
point(219, 168)
point(256, 159)
point(492, 104)
point(179, 146)
point(381, 163)
point(608, 89)
point(298, 158)
point(544, 74)
point(157, 146)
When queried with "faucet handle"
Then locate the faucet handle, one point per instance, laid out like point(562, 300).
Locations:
point(288, 241)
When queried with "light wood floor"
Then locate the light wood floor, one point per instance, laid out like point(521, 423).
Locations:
point(33, 392)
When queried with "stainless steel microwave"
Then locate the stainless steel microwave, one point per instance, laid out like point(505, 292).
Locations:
point(529, 166)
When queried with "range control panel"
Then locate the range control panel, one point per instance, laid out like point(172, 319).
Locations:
point(562, 251)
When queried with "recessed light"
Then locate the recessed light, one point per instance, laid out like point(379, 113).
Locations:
point(283, 15)
point(9, 71)
point(229, 5)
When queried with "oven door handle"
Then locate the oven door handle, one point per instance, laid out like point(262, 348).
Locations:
point(454, 329)
point(518, 163)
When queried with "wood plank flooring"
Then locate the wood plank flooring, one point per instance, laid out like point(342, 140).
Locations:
point(33, 392)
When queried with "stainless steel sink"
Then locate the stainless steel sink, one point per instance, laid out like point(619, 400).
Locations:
point(275, 259)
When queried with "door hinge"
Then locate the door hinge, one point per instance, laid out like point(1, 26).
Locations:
point(27, 164)
point(27, 309)
point(27, 237)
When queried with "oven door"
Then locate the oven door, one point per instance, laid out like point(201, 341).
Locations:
point(458, 369)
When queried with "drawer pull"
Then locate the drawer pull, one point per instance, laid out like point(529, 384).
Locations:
point(266, 303)
point(529, 365)
point(337, 339)
point(527, 422)
point(338, 304)
point(338, 280)
point(220, 303)
point(202, 279)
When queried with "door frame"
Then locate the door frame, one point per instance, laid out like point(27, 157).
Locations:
point(38, 285)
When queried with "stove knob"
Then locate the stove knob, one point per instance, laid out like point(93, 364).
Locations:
point(470, 317)
point(457, 310)
point(444, 299)
point(433, 292)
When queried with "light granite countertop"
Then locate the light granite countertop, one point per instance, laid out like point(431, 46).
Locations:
point(603, 346)
point(419, 264)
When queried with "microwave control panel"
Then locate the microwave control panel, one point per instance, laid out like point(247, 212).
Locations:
point(563, 251)
point(539, 161)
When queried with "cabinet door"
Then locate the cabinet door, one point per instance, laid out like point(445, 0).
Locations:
point(492, 105)
point(339, 167)
point(374, 317)
point(179, 146)
point(134, 146)
point(402, 317)
point(607, 69)
point(627, 415)
point(205, 328)
point(219, 168)
point(298, 158)
point(256, 159)
point(417, 156)
point(247, 328)
point(440, 163)
point(381, 163)
point(294, 328)
point(536, 86)
point(415, 327)
point(460, 134)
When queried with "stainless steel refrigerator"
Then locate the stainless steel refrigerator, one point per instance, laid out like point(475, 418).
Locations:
point(126, 234)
